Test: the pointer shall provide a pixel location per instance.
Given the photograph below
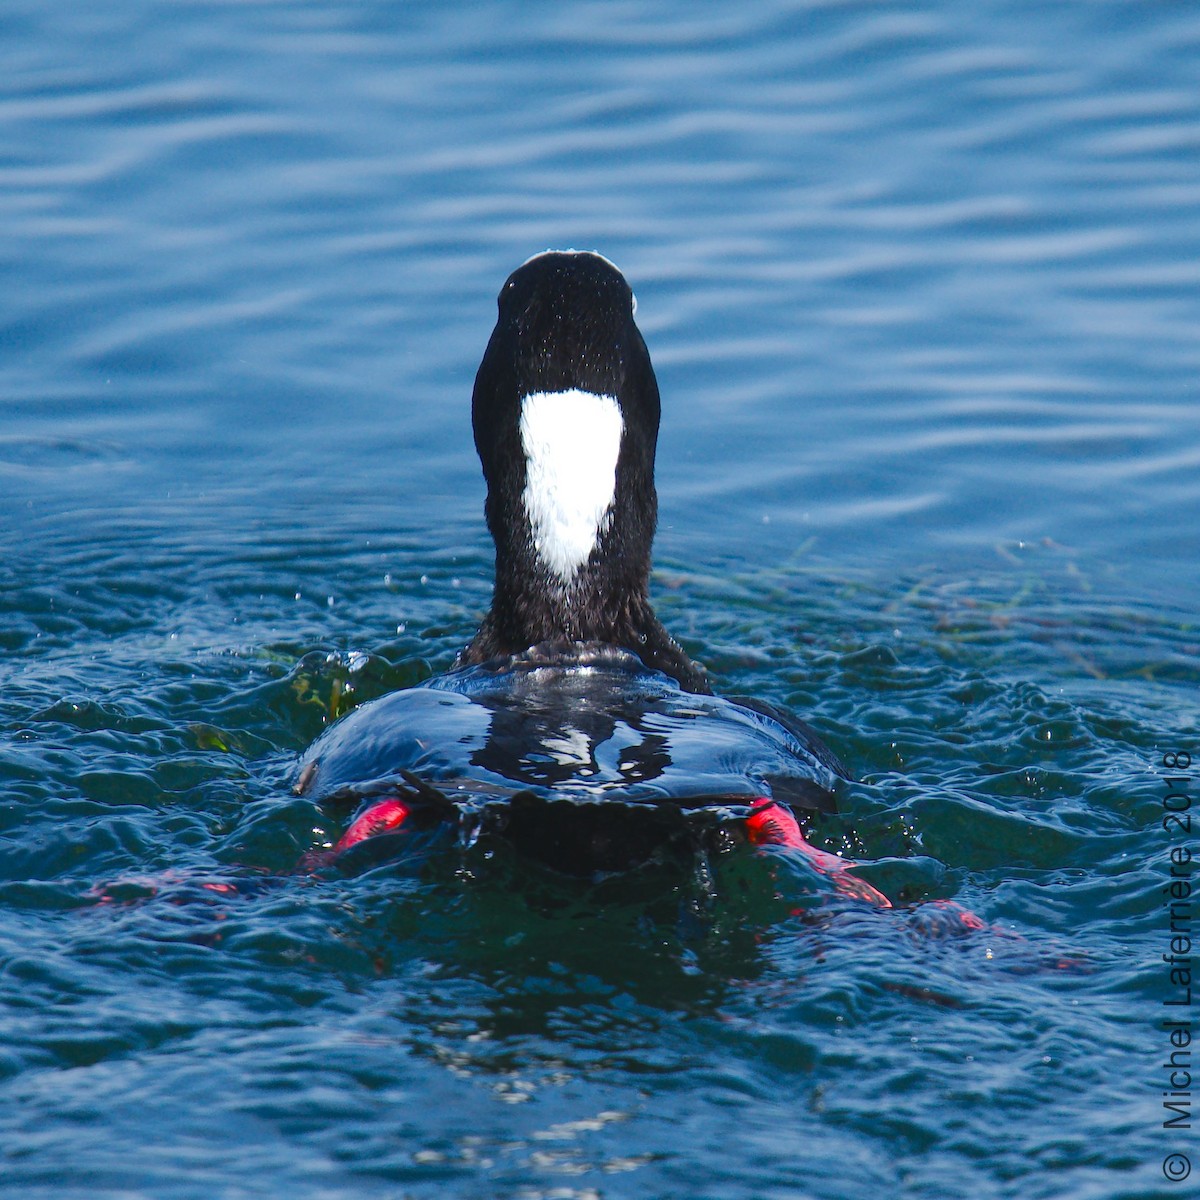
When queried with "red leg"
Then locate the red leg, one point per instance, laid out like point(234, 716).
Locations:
point(384, 816)
point(772, 824)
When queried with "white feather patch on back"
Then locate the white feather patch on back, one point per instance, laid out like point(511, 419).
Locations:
point(571, 441)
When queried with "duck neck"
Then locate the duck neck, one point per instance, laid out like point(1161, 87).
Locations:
point(605, 600)
point(573, 520)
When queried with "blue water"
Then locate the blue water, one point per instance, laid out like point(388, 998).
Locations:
point(920, 283)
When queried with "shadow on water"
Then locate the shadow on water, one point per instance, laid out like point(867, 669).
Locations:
point(533, 953)
point(376, 1014)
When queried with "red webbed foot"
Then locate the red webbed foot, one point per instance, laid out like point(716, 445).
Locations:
point(176, 887)
point(772, 824)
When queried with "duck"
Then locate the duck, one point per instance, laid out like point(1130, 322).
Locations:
point(573, 725)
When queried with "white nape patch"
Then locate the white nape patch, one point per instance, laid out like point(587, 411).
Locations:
point(571, 441)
